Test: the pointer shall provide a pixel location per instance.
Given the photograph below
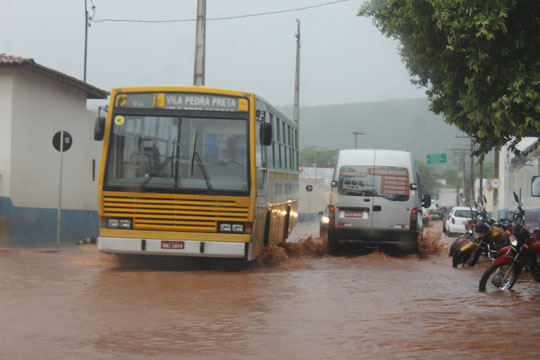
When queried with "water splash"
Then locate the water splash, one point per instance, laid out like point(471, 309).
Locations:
point(309, 246)
point(431, 244)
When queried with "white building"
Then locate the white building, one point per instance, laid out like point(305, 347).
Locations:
point(35, 103)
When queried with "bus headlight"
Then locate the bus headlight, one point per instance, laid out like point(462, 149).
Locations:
point(238, 228)
point(125, 224)
point(225, 227)
point(113, 223)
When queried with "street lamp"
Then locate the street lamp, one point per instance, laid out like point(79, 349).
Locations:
point(356, 133)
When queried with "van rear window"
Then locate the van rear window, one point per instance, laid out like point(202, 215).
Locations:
point(388, 182)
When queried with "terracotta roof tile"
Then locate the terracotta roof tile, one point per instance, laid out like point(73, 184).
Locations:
point(8, 59)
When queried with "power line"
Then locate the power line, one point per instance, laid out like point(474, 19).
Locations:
point(221, 18)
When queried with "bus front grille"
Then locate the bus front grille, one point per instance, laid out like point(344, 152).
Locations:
point(182, 213)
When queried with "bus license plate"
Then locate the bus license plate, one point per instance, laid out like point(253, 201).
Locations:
point(354, 213)
point(173, 245)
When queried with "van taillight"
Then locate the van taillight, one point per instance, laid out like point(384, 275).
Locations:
point(414, 218)
point(453, 220)
point(331, 214)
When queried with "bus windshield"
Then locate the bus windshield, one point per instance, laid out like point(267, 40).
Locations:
point(177, 154)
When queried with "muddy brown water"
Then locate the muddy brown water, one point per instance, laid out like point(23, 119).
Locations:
point(299, 303)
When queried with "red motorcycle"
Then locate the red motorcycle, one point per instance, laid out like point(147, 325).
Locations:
point(523, 253)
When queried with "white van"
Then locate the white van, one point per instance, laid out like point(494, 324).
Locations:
point(376, 200)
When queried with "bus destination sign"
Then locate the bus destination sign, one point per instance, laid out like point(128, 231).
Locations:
point(181, 101)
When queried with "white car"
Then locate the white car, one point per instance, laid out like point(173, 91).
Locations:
point(457, 217)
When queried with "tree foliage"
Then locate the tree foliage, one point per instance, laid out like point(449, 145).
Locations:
point(320, 157)
point(428, 178)
point(478, 60)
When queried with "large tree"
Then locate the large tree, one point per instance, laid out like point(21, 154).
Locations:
point(480, 61)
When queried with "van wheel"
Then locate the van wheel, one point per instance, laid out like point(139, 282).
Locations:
point(333, 247)
point(415, 249)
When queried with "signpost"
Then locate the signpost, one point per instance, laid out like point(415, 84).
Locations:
point(61, 141)
point(309, 188)
point(495, 183)
point(436, 159)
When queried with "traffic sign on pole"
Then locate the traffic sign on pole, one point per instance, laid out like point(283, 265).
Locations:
point(62, 142)
point(436, 159)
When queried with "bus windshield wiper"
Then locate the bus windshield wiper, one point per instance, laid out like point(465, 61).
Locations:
point(201, 165)
point(147, 179)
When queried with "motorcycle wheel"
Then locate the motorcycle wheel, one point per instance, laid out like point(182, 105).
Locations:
point(457, 244)
point(475, 257)
point(493, 278)
point(460, 258)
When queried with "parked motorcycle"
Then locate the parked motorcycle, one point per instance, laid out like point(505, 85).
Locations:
point(522, 253)
point(461, 240)
point(489, 238)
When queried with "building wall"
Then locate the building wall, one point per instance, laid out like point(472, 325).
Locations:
point(520, 183)
point(41, 107)
point(6, 86)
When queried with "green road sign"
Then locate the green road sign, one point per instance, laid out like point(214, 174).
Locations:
point(436, 159)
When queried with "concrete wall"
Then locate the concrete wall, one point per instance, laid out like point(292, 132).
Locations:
point(6, 89)
point(312, 202)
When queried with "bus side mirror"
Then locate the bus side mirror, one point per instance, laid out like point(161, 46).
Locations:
point(535, 186)
point(265, 135)
point(99, 129)
point(426, 201)
point(333, 183)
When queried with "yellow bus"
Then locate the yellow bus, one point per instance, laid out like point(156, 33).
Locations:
point(194, 171)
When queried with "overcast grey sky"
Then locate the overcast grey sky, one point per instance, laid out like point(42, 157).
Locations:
point(344, 59)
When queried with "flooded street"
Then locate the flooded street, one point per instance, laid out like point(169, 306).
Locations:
point(79, 304)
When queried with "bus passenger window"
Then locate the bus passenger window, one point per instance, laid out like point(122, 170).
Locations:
point(270, 153)
point(261, 180)
point(284, 138)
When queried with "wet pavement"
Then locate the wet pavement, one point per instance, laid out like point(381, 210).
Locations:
point(79, 304)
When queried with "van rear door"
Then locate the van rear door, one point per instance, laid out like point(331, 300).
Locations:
point(355, 189)
point(392, 201)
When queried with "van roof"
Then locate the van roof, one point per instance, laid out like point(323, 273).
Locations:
point(384, 157)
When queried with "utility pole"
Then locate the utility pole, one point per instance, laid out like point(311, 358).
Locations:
point(463, 173)
point(471, 189)
point(462, 153)
point(496, 190)
point(296, 115)
point(87, 18)
point(200, 44)
point(472, 172)
point(85, 37)
point(481, 190)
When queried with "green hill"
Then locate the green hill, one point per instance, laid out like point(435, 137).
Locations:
point(393, 124)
